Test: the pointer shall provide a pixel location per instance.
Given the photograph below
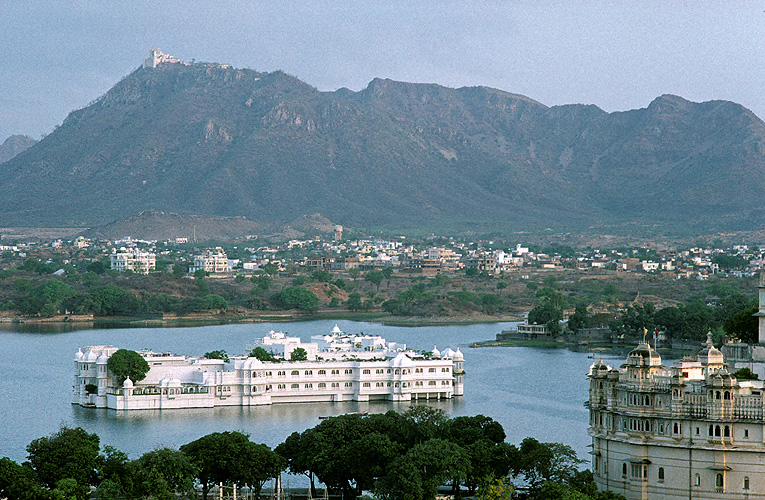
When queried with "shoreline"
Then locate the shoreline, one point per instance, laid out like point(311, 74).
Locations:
point(267, 317)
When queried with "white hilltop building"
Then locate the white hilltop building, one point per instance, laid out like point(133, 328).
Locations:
point(339, 367)
point(157, 57)
point(690, 431)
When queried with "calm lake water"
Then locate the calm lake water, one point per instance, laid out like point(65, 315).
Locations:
point(531, 392)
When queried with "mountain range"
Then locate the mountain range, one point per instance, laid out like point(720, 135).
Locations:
point(211, 140)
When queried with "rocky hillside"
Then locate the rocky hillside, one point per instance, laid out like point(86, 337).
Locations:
point(212, 140)
point(14, 145)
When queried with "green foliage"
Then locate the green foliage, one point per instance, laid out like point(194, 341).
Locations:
point(262, 354)
point(70, 453)
point(321, 276)
point(125, 364)
point(471, 272)
point(262, 282)
point(111, 300)
point(354, 302)
point(97, 267)
point(217, 354)
point(165, 473)
point(200, 274)
point(296, 298)
point(375, 277)
point(239, 279)
point(743, 325)
point(230, 457)
point(730, 262)
point(214, 301)
point(46, 298)
point(745, 374)
point(22, 284)
point(299, 354)
point(547, 314)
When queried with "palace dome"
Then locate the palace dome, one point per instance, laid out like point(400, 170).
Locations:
point(643, 355)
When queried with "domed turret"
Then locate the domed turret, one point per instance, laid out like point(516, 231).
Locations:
point(448, 353)
point(458, 356)
point(436, 353)
point(336, 330)
point(643, 355)
point(709, 354)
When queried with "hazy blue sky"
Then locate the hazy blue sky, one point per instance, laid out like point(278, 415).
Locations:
point(56, 56)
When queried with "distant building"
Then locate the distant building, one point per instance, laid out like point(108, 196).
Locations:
point(156, 57)
point(214, 261)
point(338, 368)
point(134, 260)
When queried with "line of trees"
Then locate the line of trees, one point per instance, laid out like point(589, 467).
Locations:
point(395, 455)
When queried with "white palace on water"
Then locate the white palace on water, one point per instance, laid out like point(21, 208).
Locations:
point(690, 431)
point(339, 367)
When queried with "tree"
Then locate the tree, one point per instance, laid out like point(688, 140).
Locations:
point(18, 482)
point(47, 297)
point(354, 273)
point(230, 457)
point(418, 473)
point(375, 277)
point(501, 286)
point(125, 364)
point(387, 274)
point(111, 300)
point(743, 325)
point(165, 473)
point(215, 301)
point(70, 453)
point(299, 354)
point(296, 297)
point(262, 354)
point(321, 276)
point(547, 314)
point(543, 462)
point(579, 319)
point(354, 301)
point(217, 354)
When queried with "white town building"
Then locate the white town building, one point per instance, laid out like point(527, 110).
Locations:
point(134, 260)
point(366, 371)
point(214, 261)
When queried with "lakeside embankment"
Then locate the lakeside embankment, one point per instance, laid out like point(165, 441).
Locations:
point(200, 319)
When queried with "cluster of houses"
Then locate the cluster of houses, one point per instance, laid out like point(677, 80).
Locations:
point(335, 254)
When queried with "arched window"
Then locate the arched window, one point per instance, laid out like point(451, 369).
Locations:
point(719, 480)
point(717, 431)
point(295, 373)
point(697, 480)
point(717, 394)
point(661, 474)
point(726, 395)
point(624, 470)
point(726, 431)
point(676, 428)
point(746, 482)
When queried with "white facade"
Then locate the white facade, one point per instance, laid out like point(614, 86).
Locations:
point(327, 376)
point(211, 262)
point(134, 260)
point(156, 57)
point(692, 431)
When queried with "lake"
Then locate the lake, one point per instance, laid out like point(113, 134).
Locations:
point(531, 392)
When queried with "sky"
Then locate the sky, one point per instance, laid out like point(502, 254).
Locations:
point(57, 56)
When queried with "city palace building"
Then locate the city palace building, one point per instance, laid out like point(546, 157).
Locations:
point(690, 431)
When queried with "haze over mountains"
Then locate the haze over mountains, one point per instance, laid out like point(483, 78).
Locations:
point(208, 139)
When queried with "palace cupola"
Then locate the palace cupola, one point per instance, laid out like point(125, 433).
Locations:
point(710, 357)
point(642, 363)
